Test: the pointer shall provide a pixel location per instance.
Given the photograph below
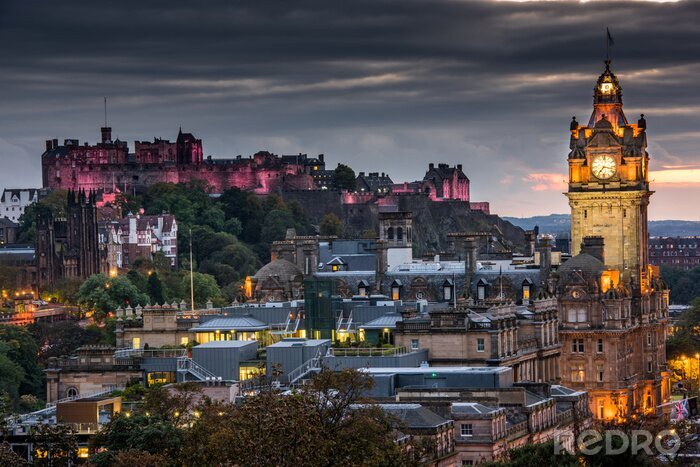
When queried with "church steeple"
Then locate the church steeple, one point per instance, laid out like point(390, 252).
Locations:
point(607, 99)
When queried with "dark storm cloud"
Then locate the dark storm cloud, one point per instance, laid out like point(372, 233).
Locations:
point(383, 85)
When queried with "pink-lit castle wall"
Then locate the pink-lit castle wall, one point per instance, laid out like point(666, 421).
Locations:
point(109, 164)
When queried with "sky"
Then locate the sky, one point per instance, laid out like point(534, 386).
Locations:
point(385, 86)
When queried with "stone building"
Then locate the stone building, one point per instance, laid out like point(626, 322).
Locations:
point(109, 164)
point(68, 248)
point(143, 236)
point(91, 369)
point(476, 334)
point(13, 202)
point(675, 252)
point(613, 306)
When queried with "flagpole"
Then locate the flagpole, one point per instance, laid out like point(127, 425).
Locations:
point(191, 275)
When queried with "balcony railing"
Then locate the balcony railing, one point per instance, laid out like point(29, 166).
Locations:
point(367, 352)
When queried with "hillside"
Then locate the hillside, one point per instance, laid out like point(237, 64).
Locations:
point(558, 223)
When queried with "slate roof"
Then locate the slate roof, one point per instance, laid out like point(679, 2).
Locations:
point(415, 415)
point(232, 323)
point(473, 408)
point(388, 321)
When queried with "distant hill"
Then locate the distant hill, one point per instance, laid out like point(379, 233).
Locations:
point(558, 223)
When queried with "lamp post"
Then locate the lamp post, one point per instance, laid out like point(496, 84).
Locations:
point(684, 359)
point(697, 357)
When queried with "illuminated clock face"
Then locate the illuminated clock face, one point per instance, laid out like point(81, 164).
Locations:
point(603, 167)
point(606, 88)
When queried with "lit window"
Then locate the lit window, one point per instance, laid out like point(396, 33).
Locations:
point(577, 372)
point(184, 340)
point(136, 343)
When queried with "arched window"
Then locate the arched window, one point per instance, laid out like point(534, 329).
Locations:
point(72, 392)
point(390, 233)
point(399, 234)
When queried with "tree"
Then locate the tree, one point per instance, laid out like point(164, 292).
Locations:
point(541, 454)
point(331, 225)
point(320, 425)
point(62, 338)
point(233, 226)
point(57, 443)
point(155, 288)
point(12, 376)
point(205, 288)
point(9, 458)
point(344, 178)
point(275, 226)
point(104, 295)
point(19, 346)
point(54, 204)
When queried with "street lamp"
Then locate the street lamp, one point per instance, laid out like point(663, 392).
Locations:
point(697, 357)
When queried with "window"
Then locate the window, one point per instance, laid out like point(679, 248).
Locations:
point(600, 345)
point(601, 408)
point(136, 343)
point(577, 346)
point(649, 339)
point(601, 373)
point(395, 293)
point(390, 233)
point(526, 292)
point(447, 292)
point(72, 392)
point(480, 346)
point(466, 429)
point(467, 462)
point(650, 365)
point(399, 234)
point(184, 340)
point(415, 344)
point(481, 292)
point(577, 372)
point(579, 315)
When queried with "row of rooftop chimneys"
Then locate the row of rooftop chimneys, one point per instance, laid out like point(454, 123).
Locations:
point(106, 133)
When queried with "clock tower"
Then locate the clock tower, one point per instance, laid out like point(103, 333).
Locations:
point(609, 184)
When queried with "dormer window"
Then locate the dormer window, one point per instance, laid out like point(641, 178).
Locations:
point(447, 290)
point(363, 288)
point(396, 289)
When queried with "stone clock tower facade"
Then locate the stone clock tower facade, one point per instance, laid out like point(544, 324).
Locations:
point(609, 182)
point(613, 307)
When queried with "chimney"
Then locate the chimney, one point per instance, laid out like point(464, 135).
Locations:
point(471, 249)
point(431, 166)
point(106, 134)
point(49, 145)
point(594, 246)
point(381, 264)
point(545, 249)
point(320, 157)
point(55, 143)
point(459, 167)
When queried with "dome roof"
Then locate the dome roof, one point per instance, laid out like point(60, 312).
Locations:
point(590, 266)
point(603, 123)
point(282, 268)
